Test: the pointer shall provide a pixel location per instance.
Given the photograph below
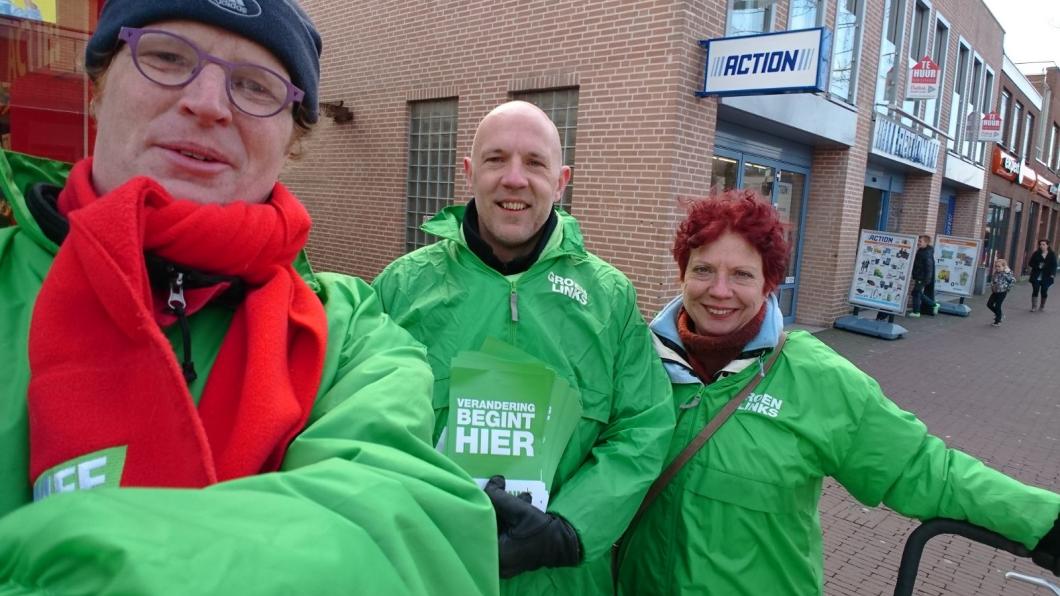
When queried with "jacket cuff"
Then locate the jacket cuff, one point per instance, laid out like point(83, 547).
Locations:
point(1051, 541)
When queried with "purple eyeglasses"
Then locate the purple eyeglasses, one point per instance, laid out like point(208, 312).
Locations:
point(173, 61)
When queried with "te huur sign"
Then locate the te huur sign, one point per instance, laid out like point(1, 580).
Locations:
point(782, 62)
point(897, 142)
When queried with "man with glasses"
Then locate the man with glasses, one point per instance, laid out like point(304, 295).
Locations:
point(224, 419)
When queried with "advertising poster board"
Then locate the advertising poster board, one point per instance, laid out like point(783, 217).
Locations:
point(955, 260)
point(882, 270)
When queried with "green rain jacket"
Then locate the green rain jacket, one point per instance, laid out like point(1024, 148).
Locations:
point(363, 503)
point(579, 314)
point(741, 516)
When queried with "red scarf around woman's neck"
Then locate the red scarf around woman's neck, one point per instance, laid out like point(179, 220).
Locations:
point(102, 374)
point(709, 354)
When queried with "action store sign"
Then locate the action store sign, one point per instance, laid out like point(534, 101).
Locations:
point(769, 63)
point(882, 270)
point(955, 260)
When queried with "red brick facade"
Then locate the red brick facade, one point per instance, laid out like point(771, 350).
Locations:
point(644, 140)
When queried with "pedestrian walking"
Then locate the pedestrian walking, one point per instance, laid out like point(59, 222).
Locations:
point(1000, 282)
point(923, 275)
point(1043, 268)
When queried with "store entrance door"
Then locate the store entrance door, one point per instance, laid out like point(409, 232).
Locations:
point(786, 187)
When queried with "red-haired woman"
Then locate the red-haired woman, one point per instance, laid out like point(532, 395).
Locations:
point(740, 517)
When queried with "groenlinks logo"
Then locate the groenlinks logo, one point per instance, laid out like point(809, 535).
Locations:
point(101, 469)
point(762, 403)
point(569, 288)
point(243, 8)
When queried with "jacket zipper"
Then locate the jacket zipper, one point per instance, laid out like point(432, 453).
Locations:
point(513, 305)
point(178, 306)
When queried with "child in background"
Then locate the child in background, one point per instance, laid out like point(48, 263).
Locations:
point(1000, 282)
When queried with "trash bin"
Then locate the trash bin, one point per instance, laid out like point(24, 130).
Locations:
point(980, 281)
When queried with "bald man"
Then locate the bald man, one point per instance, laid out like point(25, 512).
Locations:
point(509, 265)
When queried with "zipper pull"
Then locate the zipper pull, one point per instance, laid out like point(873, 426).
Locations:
point(176, 301)
point(178, 305)
point(513, 301)
point(690, 403)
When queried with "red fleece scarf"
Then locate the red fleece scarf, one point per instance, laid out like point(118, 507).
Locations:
point(709, 354)
point(102, 374)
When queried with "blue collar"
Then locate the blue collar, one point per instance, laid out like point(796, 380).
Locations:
point(665, 326)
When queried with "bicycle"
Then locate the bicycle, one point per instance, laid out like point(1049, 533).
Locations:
point(914, 549)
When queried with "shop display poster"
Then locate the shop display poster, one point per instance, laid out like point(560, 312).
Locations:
point(955, 261)
point(882, 270)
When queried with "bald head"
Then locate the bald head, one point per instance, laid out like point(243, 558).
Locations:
point(521, 114)
point(515, 174)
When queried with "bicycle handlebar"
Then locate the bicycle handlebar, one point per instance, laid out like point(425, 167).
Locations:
point(914, 547)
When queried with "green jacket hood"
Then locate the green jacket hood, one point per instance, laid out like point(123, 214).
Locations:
point(446, 224)
point(18, 172)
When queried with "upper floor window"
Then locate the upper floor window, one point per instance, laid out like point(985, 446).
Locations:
point(1052, 147)
point(981, 154)
point(1028, 131)
point(918, 48)
point(1002, 110)
point(890, 68)
point(1014, 126)
point(969, 107)
point(845, 46)
point(957, 105)
point(939, 54)
point(804, 14)
point(747, 17)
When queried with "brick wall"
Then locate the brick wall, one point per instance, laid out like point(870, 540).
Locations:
point(642, 138)
point(644, 141)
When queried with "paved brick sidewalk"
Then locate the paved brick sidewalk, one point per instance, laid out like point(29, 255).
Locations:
point(991, 392)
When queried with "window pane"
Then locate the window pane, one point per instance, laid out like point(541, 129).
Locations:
point(432, 145)
point(750, 16)
point(759, 179)
point(890, 67)
point(1014, 123)
point(803, 14)
point(723, 173)
point(938, 54)
point(956, 103)
point(561, 105)
point(845, 48)
point(1028, 128)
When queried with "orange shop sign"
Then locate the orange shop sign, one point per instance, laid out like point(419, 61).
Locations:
point(1005, 165)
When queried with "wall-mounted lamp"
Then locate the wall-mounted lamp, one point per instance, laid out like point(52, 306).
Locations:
point(336, 111)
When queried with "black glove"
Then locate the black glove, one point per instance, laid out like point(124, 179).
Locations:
point(1047, 551)
point(528, 538)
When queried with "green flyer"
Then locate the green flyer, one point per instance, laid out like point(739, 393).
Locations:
point(509, 414)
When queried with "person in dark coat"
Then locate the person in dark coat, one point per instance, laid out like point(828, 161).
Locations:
point(1043, 268)
point(923, 275)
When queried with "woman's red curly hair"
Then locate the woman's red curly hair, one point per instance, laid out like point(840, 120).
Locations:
point(743, 212)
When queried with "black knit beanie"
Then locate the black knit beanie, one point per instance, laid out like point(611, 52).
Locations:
point(280, 26)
